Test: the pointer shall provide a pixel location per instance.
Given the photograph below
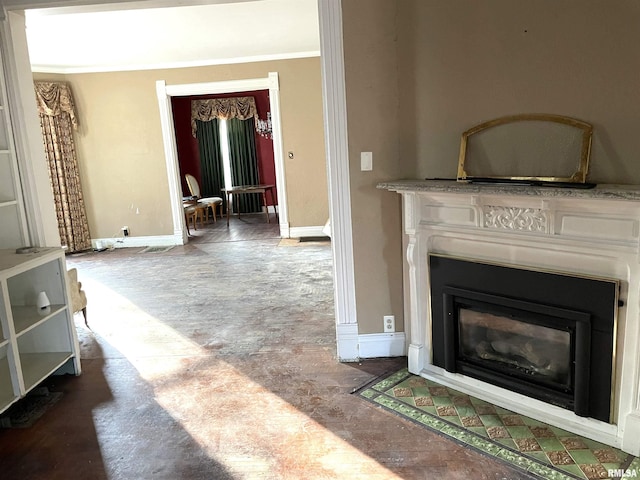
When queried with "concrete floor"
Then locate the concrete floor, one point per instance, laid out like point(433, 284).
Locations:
point(217, 360)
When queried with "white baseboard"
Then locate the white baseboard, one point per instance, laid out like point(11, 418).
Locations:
point(352, 347)
point(170, 240)
point(347, 342)
point(375, 345)
point(148, 241)
point(299, 232)
point(631, 435)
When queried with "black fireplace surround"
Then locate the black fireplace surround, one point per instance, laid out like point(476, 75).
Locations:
point(549, 336)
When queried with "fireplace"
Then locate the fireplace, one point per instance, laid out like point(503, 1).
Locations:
point(588, 237)
point(512, 288)
point(545, 335)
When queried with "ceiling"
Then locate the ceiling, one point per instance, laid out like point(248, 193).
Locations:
point(100, 38)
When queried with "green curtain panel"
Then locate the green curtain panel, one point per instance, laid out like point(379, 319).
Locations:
point(211, 168)
point(244, 163)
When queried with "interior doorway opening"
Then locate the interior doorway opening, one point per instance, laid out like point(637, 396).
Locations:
point(222, 151)
point(165, 94)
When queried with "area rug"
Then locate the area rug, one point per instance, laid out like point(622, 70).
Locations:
point(536, 449)
point(29, 409)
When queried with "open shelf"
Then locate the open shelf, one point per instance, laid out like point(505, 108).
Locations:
point(34, 346)
point(38, 366)
point(27, 317)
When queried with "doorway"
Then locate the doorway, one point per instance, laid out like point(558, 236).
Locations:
point(221, 150)
point(164, 94)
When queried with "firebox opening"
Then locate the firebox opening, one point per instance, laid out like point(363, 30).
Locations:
point(549, 336)
point(537, 350)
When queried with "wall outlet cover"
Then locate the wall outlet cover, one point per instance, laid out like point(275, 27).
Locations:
point(389, 323)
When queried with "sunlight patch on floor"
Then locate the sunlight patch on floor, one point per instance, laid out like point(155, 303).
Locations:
point(136, 334)
point(254, 432)
point(239, 423)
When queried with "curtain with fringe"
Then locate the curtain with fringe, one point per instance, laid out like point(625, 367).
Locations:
point(206, 110)
point(57, 121)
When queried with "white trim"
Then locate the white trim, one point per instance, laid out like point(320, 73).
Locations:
point(224, 86)
point(147, 241)
point(165, 92)
point(335, 121)
point(347, 342)
point(284, 229)
point(378, 345)
point(278, 149)
point(55, 7)
point(631, 434)
point(25, 126)
point(301, 232)
point(171, 65)
point(171, 159)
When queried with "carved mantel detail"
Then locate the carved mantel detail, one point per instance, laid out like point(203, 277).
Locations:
point(515, 218)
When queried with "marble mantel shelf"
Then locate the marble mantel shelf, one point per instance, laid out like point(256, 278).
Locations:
point(604, 191)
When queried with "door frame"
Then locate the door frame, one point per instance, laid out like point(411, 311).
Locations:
point(165, 92)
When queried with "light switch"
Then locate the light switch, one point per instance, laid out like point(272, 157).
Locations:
point(366, 161)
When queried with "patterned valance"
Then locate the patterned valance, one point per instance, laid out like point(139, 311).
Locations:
point(241, 108)
point(55, 98)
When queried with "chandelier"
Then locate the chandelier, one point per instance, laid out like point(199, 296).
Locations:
point(263, 127)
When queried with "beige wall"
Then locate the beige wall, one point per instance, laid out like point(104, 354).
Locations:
point(420, 72)
point(121, 153)
point(371, 75)
point(464, 62)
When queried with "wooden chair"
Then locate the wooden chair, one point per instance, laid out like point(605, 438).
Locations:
point(192, 213)
point(210, 202)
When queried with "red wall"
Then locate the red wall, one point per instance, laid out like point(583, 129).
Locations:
point(187, 144)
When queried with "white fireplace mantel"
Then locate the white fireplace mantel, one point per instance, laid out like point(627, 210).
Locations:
point(591, 232)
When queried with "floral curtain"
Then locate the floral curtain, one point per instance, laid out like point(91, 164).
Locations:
point(58, 120)
point(206, 110)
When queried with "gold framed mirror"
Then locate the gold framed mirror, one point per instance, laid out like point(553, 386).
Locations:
point(526, 148)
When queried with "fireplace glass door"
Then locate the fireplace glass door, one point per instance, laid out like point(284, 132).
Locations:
point(538, 350)
point(533, 352)
point(545, 335)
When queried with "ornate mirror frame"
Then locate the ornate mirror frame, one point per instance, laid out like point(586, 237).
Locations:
point(579, 176)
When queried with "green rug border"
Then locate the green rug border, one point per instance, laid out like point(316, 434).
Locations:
point(375, 393)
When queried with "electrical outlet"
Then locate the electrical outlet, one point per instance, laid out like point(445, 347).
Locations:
point(125, 231)
point(389, 323)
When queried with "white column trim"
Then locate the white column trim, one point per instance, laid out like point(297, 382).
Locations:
point(347, 342)
point(335, 124)
point(171, 159)
point(276, 122)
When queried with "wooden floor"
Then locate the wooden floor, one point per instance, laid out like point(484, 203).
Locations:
point(217, 360)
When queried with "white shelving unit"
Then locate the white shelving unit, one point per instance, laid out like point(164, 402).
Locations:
point(34, 346)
